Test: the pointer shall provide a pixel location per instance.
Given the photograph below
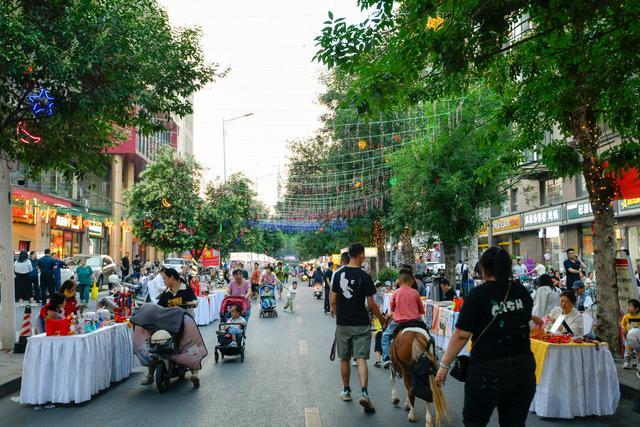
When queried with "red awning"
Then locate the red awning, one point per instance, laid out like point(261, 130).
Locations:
point(22, 193)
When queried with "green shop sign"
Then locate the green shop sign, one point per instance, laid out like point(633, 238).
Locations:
point(580, 209)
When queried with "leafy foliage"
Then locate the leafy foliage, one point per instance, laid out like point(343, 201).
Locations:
point(109, 64)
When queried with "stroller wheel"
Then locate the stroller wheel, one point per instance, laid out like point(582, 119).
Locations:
point(216, 356)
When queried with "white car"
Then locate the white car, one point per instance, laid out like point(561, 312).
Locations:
point(175, 263)
point(433, 267)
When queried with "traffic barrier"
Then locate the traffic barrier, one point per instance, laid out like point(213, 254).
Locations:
point(25, 331)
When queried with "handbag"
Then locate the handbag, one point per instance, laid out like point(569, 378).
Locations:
point(460, 366)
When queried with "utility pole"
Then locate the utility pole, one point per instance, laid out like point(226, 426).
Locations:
point(224, 140)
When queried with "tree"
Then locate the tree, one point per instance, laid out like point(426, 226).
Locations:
point(567, 69)
point(442, 184)
point(164, 205)
point(107, 65)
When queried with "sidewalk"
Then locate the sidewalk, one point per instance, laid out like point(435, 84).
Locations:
point(629, 382)
point(10, 373)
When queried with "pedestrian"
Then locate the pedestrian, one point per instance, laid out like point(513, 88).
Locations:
point(328, 274)
point(351, 288)
point(629, 321)
point(501, 369)
point(572, 268)
point(68, 290)
point(255, 280)
point(124, 263)
point(23, 287)
point(137, 266)
point(57, 267)
point(520, 270)
point(406, 306)
point(245, 273)
point(291, 296)
point(547, 296)
point(240, 287)
point(84, 276)
point(35, 280)
point(269, 278)
point(447, 292)
point(47, 279)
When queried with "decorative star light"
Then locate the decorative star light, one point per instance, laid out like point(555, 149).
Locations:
point(42, 103)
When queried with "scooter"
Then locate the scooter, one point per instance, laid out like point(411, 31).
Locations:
point(161, 347)
point(317, 291)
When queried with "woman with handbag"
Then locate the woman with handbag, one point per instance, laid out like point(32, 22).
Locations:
point(500, 371)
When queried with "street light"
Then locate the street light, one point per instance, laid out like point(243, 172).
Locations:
point(224, 140)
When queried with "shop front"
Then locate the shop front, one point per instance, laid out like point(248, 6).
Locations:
point(580, 219)
point(96, 233)
point(24, 216)
point(546, 222)
point(506, 233)
point(628, 228)
point(66, 234)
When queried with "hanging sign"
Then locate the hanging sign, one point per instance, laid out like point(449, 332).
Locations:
point(68, 221)
point(210, 257)
point(627, 288)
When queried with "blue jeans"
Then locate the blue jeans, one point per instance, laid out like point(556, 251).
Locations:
point(386, 339)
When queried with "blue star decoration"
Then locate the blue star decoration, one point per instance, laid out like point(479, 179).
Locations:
point(42, 103)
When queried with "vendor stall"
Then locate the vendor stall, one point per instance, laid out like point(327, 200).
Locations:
point(574, 380)
point(216, 303)
point(442, 321)
point(66, 369)
point(203, 314)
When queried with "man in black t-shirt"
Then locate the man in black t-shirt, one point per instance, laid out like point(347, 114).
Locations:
point(572, 266)
point(351, 287)
point(448, 294)
point(328, 274)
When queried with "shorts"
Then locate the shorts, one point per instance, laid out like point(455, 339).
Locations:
point(353, 341)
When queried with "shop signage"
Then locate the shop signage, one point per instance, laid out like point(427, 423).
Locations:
point(506, 223)
point(627, 204)
point(371, 252)
point(24, 213)
point(95, 228)
point(68, 221)
point(627, 288)
point(579, 210)
point(484, 229)
point(210, 258)
point(543, 216)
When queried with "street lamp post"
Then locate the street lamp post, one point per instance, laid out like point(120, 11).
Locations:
point(224, 140)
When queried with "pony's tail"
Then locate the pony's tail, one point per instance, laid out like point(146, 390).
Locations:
point(440, 404)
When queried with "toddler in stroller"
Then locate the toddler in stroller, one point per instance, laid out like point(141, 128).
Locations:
point(231, 331)
point(267, 301)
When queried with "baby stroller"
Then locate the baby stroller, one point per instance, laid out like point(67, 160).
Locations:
point(267, 301)
point(227, 345)
point(169, 340)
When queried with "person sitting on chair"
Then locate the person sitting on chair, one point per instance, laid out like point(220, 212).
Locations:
point(573, 323)
point(406, 306)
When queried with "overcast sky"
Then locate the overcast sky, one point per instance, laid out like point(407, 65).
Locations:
point(268, 45)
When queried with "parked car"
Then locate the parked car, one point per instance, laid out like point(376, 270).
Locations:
point(177, 263)
point(433, 267)
point(103, 266)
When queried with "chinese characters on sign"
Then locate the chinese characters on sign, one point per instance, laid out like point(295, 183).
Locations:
point(543, 216)
point(506, 223)
point(579, 210)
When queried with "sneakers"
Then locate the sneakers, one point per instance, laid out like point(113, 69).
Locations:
point(386, 364)
point(377, 365)
point(345, 395)
point(148, 379)
point(627, 364)
point(354, 362)
point(365, 402)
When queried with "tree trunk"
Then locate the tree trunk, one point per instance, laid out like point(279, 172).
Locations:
point(601, 190)
point(382, 258)
point(450, 263)
point(8, 331)
point(408, 253)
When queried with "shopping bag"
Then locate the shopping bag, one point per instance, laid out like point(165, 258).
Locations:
point(57, 327)
point(94, 292)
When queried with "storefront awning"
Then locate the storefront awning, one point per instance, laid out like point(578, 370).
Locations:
point(43, 198)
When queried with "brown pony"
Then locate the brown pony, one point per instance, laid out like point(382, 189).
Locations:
point(407, 346)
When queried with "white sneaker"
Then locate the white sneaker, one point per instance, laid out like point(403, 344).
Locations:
point(148, 379)
point(626, 364)
point(354, 362)
point(345, 395)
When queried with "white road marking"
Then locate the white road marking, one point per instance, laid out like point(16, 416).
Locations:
point(303, 347)
point(312, 417)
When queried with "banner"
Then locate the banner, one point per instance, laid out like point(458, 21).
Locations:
point(627, 288)
point(210, 258)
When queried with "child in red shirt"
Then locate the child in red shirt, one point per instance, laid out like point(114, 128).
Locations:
point(406, 306)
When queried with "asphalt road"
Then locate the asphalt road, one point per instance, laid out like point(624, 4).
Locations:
point(286, 371)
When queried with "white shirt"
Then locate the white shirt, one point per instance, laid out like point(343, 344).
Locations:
point(546, 299)
point(292, 293)
point(520, 269)
point(23, 267)
point(155, 287)
point(573, 319)
point(540, 270)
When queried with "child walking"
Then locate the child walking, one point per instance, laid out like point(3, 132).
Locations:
point(291, 295)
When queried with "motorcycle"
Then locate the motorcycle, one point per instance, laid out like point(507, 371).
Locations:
point(317, 291)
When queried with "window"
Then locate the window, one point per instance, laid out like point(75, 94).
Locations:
point(581, 186)
point(514, 200)
point(551, 191)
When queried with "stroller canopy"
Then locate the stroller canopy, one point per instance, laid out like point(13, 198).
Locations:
point(228, 302)
point(153, 317)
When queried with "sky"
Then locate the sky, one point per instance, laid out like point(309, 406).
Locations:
point(268, 45)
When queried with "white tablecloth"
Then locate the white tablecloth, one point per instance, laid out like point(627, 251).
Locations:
point(218, 296)
point(73, 368)
point(577, 382)
point(203, 310)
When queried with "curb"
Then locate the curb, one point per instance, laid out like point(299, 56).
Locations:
point(10, 387)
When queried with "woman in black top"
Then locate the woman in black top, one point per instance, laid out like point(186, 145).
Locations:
point(495, 315)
